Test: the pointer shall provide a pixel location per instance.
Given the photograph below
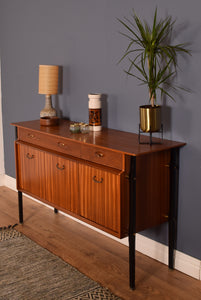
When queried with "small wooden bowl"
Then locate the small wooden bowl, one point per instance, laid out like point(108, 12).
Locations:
point(49, 121)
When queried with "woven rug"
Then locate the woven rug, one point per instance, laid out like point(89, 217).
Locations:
point(30, 272)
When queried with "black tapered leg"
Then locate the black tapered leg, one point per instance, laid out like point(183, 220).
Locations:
point(55, 210)
point(174, 182)
point(132, 221)
point(20, 207)
point(132, 261)
point(20, 200)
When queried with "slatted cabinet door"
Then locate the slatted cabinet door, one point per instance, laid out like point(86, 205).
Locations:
point(62, 180)
point(30, 170)
point(100, 197)
point(49, 177)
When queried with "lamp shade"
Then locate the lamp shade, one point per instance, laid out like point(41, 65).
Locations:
point(48, 79)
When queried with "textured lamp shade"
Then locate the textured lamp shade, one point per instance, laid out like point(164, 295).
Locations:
point(48, 79)
point(48, 85)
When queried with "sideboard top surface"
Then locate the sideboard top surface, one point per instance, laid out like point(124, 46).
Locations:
point(116, 140)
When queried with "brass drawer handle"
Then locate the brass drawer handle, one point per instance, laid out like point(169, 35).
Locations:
point(31, 136)
point(62, 145)
point(60, 168)
point(29, 156)
point(97, 181)
point(99, 154)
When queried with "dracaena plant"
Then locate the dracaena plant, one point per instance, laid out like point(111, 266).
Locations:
point(151, 54)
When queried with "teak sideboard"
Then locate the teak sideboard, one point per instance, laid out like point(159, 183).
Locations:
point(106, 179)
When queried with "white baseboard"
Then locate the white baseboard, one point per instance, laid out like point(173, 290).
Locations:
point(200, 271)
point(10, 182)
point(188, 265)
point(2, 179)
point(183, 262)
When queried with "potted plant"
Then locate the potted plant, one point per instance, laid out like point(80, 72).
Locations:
point(152, 60)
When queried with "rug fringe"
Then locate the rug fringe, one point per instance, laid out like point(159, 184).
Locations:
point(8, 227)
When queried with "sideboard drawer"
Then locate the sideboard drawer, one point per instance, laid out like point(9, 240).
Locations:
point(51, 142)
point(102, 156)
point(94, 154)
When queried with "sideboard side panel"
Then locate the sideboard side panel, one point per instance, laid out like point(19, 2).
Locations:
point(152, 189)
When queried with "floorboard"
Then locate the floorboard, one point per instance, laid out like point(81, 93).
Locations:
point(97, 256)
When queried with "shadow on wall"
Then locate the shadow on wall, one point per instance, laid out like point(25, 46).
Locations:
point(104, 110)
point(167, 118)
point(60, 92)
point(64, 90)
point(179, 114)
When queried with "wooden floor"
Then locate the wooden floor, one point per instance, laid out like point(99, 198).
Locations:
point(99, 257)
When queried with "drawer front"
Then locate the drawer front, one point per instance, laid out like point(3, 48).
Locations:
point(94, 154)
point(55, 143)
point(102, 156)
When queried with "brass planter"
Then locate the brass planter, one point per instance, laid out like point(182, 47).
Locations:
point(150, 118)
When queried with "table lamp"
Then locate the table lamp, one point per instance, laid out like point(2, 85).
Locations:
point(48, 85)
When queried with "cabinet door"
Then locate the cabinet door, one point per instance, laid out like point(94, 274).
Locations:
point(62, 182)
point(48, 177)
point(100, 196)
point(30, 170)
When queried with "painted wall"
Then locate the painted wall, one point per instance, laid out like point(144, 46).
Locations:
point(2, 169)
point(83, 37)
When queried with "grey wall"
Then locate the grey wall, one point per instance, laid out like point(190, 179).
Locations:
point(82, 36)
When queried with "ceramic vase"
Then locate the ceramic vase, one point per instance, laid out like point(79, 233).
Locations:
point(95, 112)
